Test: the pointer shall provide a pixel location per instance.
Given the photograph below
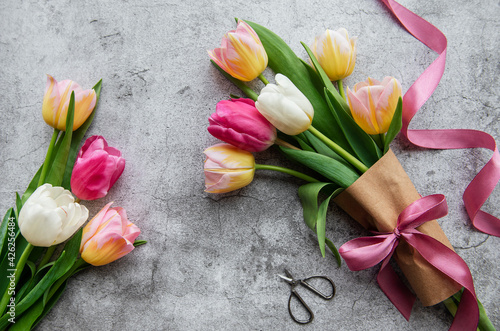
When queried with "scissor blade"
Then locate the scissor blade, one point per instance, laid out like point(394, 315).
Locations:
point(286, 279)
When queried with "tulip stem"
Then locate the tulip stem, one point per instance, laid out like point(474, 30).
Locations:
point(341, 89)
point(46, 163)
point(339, 150)
point(286, 171)
point(48, 254)
point(283, 143)
point(17, 274)
point(263, 79)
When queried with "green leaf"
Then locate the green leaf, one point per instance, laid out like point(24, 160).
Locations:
point(51, 302)
point(308, 194)
point(303, 144)
point(6, 266)
point(334, 251)
point(395, 126)
point(139, 242)
point(77, 139)
point(323, 149)
point(9, 215)
point(32, 186)
point(326, 81)
point(362, 144)
point(283, 60)
point(242, 86)
point(60, 267)
point(56, 173)
point(321, 224)
point(326, 166)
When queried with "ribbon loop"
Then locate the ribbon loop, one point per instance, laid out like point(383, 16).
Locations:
point(363, 253)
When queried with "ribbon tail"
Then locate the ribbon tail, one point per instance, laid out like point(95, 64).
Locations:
point(395, 290)
point(452, 265)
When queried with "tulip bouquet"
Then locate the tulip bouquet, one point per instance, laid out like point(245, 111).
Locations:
point(343, 139)
point(42, 243)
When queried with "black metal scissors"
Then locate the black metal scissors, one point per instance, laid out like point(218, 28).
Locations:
point(294, 282)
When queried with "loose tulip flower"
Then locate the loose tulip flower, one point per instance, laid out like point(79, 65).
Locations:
point(56, 102)
point(285, 106)
point(241, 54)
point(239, 123)
point(336, 53)
point(96, 169)
point(108, 236)
point(373, 104)
point(50, 216)
point(227, 168)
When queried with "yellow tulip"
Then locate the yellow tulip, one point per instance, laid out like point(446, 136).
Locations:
point(227, 168)
point(336, 53)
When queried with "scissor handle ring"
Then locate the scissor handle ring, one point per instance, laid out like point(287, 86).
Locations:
point(314, 290)
point(311, 314)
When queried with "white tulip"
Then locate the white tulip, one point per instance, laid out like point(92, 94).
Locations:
point(285, 106)
point(50, 216)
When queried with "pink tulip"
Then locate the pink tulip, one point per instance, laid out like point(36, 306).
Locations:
point(56, 102)
point(241, 54)
point(227, 168)
point(373, 103)
point(108, 236)
point(96, 169)
point(239, 123)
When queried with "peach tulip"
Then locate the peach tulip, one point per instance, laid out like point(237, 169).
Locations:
point(227, 168)
point(56, 102)
point(373, 103)
point(108, 236)
point(241, 54)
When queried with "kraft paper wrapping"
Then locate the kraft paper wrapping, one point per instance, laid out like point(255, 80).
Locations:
point(375, 200)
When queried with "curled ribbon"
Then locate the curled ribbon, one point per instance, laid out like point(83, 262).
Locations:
point(480, 188)
point(366, 252)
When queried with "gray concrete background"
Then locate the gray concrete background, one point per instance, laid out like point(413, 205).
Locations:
point(211, 261)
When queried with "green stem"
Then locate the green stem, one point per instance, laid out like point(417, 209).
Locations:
point(339, 150)
point(341, 89)
point(382, 138)
point(80, 262)
point(281, 142)
point(46, 163)
point(263, 79)
point(18, 271)
point(484, 322)
point(48, 254)
point(286, 171)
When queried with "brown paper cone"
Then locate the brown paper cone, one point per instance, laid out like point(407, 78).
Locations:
point(375, 200)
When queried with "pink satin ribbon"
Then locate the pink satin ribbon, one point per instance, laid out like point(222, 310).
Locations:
point(365, 252)
point(482, 185)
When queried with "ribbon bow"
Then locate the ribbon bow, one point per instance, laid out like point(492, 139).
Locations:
point(365, 252)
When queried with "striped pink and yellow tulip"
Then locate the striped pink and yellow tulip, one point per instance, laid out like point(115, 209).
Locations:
point(336, 53)
point(240, 124)
point(241, 54)
point(227, 168)
point(373, 103)
point(56, 102)
point(108, 236)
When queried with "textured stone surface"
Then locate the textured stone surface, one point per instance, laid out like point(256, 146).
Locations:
point(211, 261)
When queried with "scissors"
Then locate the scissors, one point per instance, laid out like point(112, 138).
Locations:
point(294, 282)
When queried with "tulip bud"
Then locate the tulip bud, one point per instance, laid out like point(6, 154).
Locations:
point(50, 216)
point(241, 54)
point(239, 123)
point(108, 236)
point(336, 53)
point(373, 104)
point(227, 168)
point(285, 106)
point(56, 102)
point(97, 168)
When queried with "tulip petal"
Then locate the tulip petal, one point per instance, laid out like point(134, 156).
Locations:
point(105, 248)
point(360, 112)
